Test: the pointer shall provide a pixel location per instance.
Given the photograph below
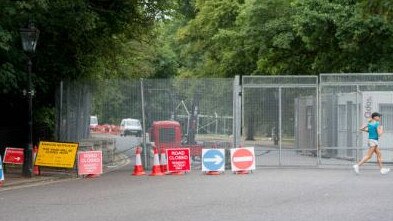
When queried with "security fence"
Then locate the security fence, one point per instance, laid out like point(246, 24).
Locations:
point(289, 120)
point(347, 101)
point(279, 115)
point(128, 112)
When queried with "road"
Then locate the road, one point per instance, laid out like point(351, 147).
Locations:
point(267, 194)
point(127, 144)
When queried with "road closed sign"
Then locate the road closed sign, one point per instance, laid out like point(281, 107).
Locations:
point(178, 159)
point(243, 159)
point(90, 162)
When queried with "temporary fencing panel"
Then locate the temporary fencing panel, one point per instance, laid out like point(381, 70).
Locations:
point(347, 101)
point(202, 109)
point(279, 121)
point(289, 120)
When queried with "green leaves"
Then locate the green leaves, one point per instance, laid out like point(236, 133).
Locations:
point(286, 37)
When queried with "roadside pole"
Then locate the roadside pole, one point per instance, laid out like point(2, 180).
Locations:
point(145, 163)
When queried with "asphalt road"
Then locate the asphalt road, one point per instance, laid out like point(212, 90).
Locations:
point(267, 194)
point(127, 144)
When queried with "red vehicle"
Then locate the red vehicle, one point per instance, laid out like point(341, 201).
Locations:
point(168, 134)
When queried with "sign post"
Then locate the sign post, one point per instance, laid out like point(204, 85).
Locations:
point(178, 159)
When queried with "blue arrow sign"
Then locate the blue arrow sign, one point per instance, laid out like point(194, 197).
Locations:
point(213, 160)
point(1, 170)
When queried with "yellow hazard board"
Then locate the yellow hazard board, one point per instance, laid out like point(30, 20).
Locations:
point(54, 154)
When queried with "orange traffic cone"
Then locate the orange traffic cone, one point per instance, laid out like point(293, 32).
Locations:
point(36, 169)
point(156, 170)
point(138, 168)
point(163, 161)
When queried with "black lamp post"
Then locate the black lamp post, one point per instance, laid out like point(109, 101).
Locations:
point(29, 37)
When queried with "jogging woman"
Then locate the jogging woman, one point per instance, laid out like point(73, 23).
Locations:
point(374, 130)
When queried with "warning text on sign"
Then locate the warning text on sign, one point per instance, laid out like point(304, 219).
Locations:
point(178, 159)
point(90, 162)
point(54, 154)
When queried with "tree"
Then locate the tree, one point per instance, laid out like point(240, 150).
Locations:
point(79, 39)
point(201, 39)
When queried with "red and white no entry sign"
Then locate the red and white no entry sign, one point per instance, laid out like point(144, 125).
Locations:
point(243, 159)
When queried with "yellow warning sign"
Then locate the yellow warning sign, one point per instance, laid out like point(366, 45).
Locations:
point(54, 154)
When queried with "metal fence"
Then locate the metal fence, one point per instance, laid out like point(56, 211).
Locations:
point(277, 120)
point(347, 101)
point(289, 120)
point(202, 107)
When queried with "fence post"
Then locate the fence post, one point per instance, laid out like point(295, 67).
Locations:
point(319, 111)
point(280, 124)
point(143, 127)
point(60, 112)
point(237, 111)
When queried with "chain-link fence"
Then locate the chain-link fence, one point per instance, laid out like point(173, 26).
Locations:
point(164, 113)
point(279, 119)
point(289, 120)
point(347, 101)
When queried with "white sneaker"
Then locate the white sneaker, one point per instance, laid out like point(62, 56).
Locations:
point(356, 168)
point(385, 171)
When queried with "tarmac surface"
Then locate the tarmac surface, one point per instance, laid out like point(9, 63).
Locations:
point(266, 194)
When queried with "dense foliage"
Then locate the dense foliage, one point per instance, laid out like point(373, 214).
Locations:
point(101, 39)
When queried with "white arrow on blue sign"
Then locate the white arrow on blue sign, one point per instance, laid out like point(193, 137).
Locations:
point(213, 160)
point(1, 170)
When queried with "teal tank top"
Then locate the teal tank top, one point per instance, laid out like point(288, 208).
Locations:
point(372, 130)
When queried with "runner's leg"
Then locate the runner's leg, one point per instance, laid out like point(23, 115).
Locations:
point(379, 156)
point(370, 152)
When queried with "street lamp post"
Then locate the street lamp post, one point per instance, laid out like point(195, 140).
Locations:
point(29, 38)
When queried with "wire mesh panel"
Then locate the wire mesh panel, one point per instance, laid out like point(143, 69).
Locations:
point(118, 115)
point(73, 108)
point(91, 113)
point(280, 119)
point(347, 101)
point(278, 115)
point(191, 113)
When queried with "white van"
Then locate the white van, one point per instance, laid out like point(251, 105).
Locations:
point(93, 122)
point(130, 126)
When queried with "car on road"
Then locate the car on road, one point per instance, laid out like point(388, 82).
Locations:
point(93, 123)
point(130, 126)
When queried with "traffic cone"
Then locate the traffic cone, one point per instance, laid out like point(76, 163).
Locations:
point(36, 169)
point(163, 161)
point(156, 170)
point(138, 168)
